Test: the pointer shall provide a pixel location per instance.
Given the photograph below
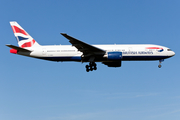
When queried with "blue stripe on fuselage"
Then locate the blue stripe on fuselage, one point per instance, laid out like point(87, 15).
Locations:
point(144, 57)
point(124, 58)
point(78, 58)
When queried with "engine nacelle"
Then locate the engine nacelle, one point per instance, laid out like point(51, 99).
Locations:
point(113, 64)
point(114, 56)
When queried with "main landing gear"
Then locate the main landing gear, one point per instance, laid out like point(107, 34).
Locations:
point(160, 61)
point(92, 66)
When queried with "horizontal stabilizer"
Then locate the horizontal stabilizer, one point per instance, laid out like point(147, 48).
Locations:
point(18, 48)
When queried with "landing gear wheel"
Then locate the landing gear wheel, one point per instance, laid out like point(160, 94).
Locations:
point(95, 68)
point(159, 66)
point(87, 68)
point(92, 66)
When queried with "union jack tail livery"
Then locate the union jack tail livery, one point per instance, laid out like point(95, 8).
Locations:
point(23, 38)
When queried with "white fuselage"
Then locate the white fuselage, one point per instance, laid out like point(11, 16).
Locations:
point(129, 52)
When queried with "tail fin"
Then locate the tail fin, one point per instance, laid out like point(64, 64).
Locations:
point(23, 38)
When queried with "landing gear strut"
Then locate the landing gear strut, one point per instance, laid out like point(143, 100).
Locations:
point(160, 61)
point(92, 66)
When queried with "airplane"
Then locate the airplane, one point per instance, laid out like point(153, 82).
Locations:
point(110, 55)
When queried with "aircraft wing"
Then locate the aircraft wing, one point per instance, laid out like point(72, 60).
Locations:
point(88, 50)
point(18, 48)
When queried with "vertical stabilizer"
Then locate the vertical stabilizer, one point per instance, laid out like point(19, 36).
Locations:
point(23, 38)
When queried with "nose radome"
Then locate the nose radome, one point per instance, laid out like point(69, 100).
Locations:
point(173, 53)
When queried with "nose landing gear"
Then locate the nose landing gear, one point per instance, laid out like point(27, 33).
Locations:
point(160, 61)
point(92, 66)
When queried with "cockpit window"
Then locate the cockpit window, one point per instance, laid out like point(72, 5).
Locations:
point(169, 50)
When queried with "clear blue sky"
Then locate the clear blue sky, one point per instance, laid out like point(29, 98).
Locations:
point(33, 89)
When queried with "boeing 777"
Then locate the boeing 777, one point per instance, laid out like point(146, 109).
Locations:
point(79, 51)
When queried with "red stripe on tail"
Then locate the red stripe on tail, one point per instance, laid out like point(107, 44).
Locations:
point(18, 30)
point(28, 44)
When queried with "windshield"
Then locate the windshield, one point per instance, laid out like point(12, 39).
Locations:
point(169, 50)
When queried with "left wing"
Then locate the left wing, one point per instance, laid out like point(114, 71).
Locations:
point(88, 50)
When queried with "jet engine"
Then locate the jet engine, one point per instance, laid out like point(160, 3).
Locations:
point(114, 56)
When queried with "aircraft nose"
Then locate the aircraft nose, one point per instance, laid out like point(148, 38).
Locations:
point(173, 53)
